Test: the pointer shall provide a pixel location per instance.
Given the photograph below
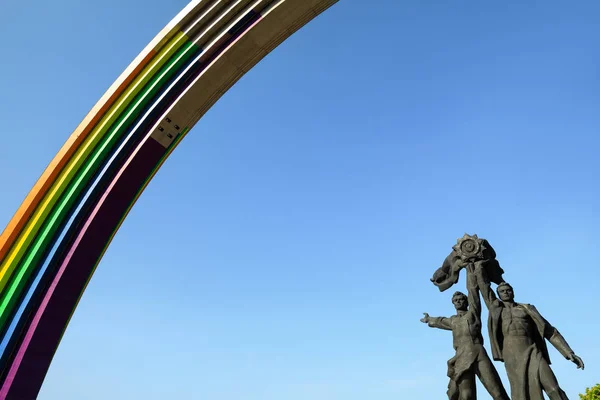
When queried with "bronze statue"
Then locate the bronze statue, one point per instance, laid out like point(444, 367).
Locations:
point(518, 332)
point(471, 358)
point(518, 335)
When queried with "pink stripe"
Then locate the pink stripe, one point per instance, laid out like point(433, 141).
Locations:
point(38, 315)
point(14, 369)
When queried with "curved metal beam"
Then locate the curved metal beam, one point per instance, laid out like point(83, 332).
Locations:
point(56, 239)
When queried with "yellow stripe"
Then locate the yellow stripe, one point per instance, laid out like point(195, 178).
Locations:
point(33, 226)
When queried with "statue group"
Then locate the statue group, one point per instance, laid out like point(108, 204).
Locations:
point(517, 331)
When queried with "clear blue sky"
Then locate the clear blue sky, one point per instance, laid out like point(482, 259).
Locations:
point(302, 218)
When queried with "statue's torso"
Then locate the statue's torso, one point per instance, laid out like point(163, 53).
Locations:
point(466, 330)
point(517, 327)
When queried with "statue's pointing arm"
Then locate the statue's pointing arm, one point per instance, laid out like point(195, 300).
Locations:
point(437, 322)
point(440, 323)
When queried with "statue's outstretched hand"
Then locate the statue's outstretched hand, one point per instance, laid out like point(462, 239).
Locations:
point(577, 360)
point(425, 319)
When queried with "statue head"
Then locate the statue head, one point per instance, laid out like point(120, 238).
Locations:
point(460, 301)
point(505, 292)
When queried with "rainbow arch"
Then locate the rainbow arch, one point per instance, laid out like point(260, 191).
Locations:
point(52, 245)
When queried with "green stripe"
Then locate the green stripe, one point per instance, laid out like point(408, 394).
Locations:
point(47, 205)
point(101, 153)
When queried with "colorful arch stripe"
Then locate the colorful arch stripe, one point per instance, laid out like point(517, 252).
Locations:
point(52, 245)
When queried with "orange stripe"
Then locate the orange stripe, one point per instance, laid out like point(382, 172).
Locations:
point(38, 191)
point(45, 181)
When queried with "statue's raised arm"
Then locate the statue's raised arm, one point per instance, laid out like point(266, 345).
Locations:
point(473, 292)
point(489, 297)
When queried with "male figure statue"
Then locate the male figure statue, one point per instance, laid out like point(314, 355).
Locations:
point(517, 335)
point(471, 358)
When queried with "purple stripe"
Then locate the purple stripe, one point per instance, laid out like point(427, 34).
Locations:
point(24, 379)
